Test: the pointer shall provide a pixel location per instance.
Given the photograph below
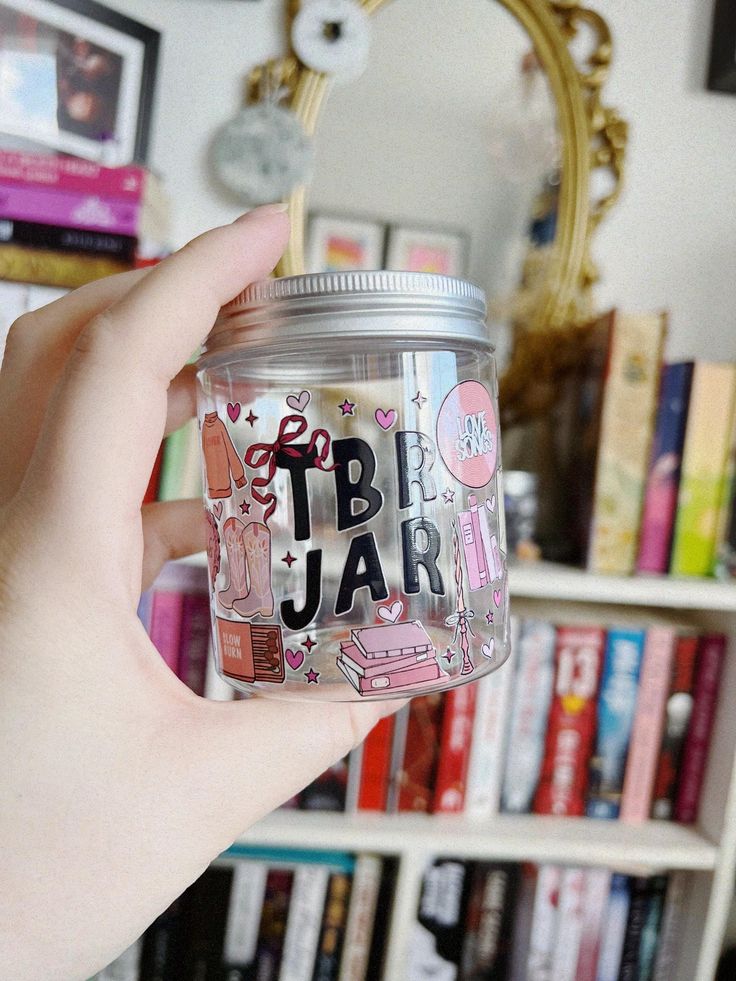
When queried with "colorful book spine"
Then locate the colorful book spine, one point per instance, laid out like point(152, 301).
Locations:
point(652, 926)
point(672, 928)
point(82, 210)
point(595, 901)
point(73, 174)
point(488, 740)
point(545, 923)
point(304, 922)
point(627, 425)
point(436, 942)
point(711, 654)
point(145, 606)
point(245, 906)
point(532, 694)
point(489, 921)
point(452, 768)
point(375, 768)
point(646, 738)
point(272, 928)
point(616, 706)
point(678, 710)
point(663, 481)
point(329, 948)
point(398, 747)
point(361, 917)
point(194, 637)
point(24, 264)
point(166, 611)
point(613, 934)
point(572, 721)
point(44, 236)
point(704, 468)
point(421, 752)
point(570, 925)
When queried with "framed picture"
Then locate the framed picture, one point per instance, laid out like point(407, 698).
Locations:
point(427, 250)
point(722, 64)
point(77, 77)
point(337, 243)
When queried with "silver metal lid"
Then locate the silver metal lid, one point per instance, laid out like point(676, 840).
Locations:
point(351, 304)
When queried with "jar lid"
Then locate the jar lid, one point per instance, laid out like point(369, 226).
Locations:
point(349, 303)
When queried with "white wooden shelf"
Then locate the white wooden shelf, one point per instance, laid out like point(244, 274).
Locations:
point(528, 837)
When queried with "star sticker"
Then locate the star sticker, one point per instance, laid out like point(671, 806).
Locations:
point(289, 559)
point(449, 655)
point(449, 496)
point(245, 508)
point(419, 399)
point(489, 617)
point(312, 676)
point(309, 644)
point(347, 408)
point(251, 418)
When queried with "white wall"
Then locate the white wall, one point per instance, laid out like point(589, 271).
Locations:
point(670, 242)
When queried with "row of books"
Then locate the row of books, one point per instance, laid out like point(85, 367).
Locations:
point(270, 915)
point(606, 721)
point(490, 921)
point(644, 452)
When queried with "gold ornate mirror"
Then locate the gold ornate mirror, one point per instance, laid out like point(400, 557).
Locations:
point(570, 46)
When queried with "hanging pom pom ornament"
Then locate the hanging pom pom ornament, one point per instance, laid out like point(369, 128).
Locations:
point(262, 153)
point(333, 37)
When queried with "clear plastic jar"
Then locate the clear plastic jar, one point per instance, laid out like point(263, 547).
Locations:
point(351, 464)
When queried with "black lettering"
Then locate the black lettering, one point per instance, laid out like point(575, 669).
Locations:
point(414, 555)
point(294, 619)
point(344, 452)
point(363, 549)
point(415, 470)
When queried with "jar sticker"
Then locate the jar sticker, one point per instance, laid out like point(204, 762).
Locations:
point(251, 652)
point(299, 402)
point(222, 465)
point(467, 434)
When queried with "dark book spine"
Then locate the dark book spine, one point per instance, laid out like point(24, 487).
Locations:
point(61, 239)
point(207, 903)
point(272, 929)
point(652, 925)
point(489, 922)
point(382, 920)
point(162, 949)
point(630, 956)
point(442, 914)
point(328, 791)
point(329, 948)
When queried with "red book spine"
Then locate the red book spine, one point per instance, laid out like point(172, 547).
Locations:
point(455, 744)
point(572, 721)
point(72, 174)
point(166, 625)
point(194, 637)
point(418, 768)
point(152, 489)
point(375, 765)
point(711, 653)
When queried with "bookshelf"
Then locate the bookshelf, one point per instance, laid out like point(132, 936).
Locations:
point(707, 850)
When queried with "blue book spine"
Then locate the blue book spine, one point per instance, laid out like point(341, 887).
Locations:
point(614, 929)
point(663, 480)
point(616, 707)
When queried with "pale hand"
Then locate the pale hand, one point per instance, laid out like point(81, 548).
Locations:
point(118, 784)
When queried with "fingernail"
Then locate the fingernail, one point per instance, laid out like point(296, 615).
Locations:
point(279, 207)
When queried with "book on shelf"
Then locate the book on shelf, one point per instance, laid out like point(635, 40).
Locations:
point(570, 919)
point(416, 777)
point(544, 921)
point(375, 767)
point(626, 430)
point(27, 264)
point(436, 940)
point(708, 439)
point(181, 468)
point(595, 900)
point(455, 744)
point(361, 917)
point(486, 949)
point(613, 934)
point(40, 235)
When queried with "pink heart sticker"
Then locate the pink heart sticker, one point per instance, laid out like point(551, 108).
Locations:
point(299, 402)
point(487, 650)
point(294, 659)
point(233, 410)
point(491, 503)
point(391, 613)
point(217, 508)
point(497, 597)
point(385, 419)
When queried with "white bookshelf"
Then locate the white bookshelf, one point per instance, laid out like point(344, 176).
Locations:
point(707, 850)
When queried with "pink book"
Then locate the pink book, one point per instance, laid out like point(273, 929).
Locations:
point(392, 639)
point(455, 742)
point(68, 209)
point(646, 732)
point(482, 556)
point(194, 640)
point(367, 666)
point(709, 665)
point(595, 901)
point(392, 680)
point(165, 630)
point(72, 174)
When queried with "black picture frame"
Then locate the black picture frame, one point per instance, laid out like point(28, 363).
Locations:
point(125, 92)
point(722, 63)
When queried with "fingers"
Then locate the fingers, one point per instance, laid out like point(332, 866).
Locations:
point(107, 416)
point(182, 399)
point(171, 529)
point(35, 354)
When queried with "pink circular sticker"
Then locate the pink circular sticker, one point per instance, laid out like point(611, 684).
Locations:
point(467, 435)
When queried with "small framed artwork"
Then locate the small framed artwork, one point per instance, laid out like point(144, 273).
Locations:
point(722, 64)
point(77, 77)
point(427, 250)
point(337, 243)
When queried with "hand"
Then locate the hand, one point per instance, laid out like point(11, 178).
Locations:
point(119, 785)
